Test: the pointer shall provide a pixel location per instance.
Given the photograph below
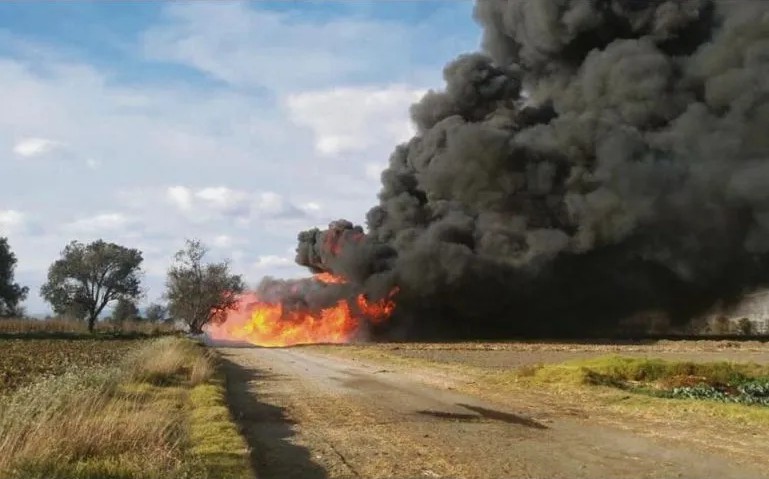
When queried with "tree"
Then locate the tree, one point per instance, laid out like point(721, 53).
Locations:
point(88, 277)
point(156, 313)
point(125, 310)
point(745, 327)
point(11, 294)
point(199, 293)
point(721, 325)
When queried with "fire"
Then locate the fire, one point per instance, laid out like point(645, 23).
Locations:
point(273, 323)
point(329, 278)
point(270, 324)
point(378, 311)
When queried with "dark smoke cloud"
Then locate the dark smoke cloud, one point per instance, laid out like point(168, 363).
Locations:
point(598, 158)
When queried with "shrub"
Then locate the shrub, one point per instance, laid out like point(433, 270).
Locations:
point(169, 360)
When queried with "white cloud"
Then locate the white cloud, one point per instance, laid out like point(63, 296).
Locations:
point(346, 120)
point(272, 261)
point(92, 163)
point(10, 220)
point(180, 196)
point(223, 241)
point(311, 206)
point(272, 204)
point(224, 199)
point(243, 45)
point(374, 171)
point(211, 201)
point(104, 222)
point(31, 147)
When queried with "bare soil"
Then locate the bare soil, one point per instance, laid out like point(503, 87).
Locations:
point(331, 413)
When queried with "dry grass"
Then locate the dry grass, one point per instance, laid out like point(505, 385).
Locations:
point(88, 430)
point(62, 326)
point(167, 361)
point(53, 325)
point(120, 422)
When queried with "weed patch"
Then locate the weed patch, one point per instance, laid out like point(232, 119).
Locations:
point(739, 383)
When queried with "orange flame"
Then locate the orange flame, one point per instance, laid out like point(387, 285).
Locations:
point(329, 278)
point(269, 324)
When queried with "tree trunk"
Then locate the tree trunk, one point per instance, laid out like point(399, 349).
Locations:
point(195, 327)
point(91, 322)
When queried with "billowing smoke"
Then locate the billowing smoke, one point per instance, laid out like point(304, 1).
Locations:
point(598, 158)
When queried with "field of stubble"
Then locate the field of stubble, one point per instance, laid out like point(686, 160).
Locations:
point(507, 355)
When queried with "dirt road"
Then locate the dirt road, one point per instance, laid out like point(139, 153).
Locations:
point(310, 415)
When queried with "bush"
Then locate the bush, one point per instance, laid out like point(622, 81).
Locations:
point(746, 327)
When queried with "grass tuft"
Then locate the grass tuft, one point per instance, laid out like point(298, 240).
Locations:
point(613, 370)
point(169, 360)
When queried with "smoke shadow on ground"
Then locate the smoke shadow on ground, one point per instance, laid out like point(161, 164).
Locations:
point(266, 428)
point(504, 416)
point(483, 413)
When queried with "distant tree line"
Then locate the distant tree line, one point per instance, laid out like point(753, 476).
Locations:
point(89, 278)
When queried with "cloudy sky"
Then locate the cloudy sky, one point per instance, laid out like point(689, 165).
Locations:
point(237, 123)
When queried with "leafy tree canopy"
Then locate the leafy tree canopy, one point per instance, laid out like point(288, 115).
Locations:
point(199, 293)
point(11, 294)
point(125, 310)
point(88, 277)
point(156, 313)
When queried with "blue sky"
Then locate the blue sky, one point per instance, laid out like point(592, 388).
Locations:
point(238, 123)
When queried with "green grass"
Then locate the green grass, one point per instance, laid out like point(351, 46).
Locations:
point(617, 370)
point(158, 413)
point(741, 383)
point(214, 438)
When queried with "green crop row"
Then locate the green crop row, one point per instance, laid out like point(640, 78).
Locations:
point(754, 393)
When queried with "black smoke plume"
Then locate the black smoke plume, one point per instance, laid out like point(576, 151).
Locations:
point(598, 158)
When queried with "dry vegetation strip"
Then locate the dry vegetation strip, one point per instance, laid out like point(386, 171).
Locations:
point(60, 327)
point(158, 413)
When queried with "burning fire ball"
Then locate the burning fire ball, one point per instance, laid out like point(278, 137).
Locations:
point(267, 323)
